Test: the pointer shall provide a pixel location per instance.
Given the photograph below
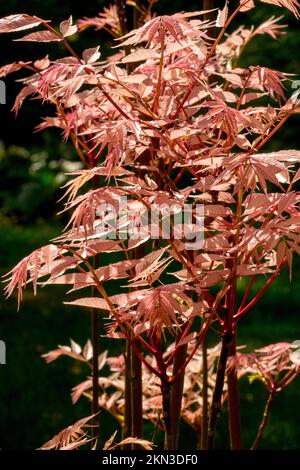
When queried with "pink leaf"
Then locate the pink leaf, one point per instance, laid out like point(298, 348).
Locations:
point(40, 36)
point(33, 266)
point(14, 23)
point(66, 27)
point(79, 390)
point(120, 300)
point(162, 306)
point(69, 438)
point(11, 68)
point(217, 210)
point(42, 64)
point(297, 176)
point(292, 5)
point(91, 55)
point(21, 96)
point(222, 16)
point(271, 27)
point(140, 55)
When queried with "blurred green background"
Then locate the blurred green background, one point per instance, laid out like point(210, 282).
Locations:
point(34, 397)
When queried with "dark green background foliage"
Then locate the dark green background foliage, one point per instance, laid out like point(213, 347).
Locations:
point(34, 397)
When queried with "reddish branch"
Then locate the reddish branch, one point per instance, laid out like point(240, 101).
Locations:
point(264, 421)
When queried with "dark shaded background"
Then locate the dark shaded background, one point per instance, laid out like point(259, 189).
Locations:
point(34, 397)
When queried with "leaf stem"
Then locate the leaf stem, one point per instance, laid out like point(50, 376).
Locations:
point(177, 393)
point(204, 422)
point(166, 400)
point(136, 395)
point(95, 374)
point(258, 296)
point(234, 403)
point(128, 401)
point(264, 421)
point(160, 70)
point(218, 390)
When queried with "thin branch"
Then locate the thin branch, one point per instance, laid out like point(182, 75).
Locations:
point(204, 421)
point(218, 391)
point(261, 292)
point(247, 293)
point(195, 348)
point(264, 421)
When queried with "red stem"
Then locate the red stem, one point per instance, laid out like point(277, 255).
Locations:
point(218, 390)
point(184, 334)
point(261, 292)
point(198, 343)
point(247, 293)
point(234, 403)
point(232, 381)
point(265, 419)
point(176, 394)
